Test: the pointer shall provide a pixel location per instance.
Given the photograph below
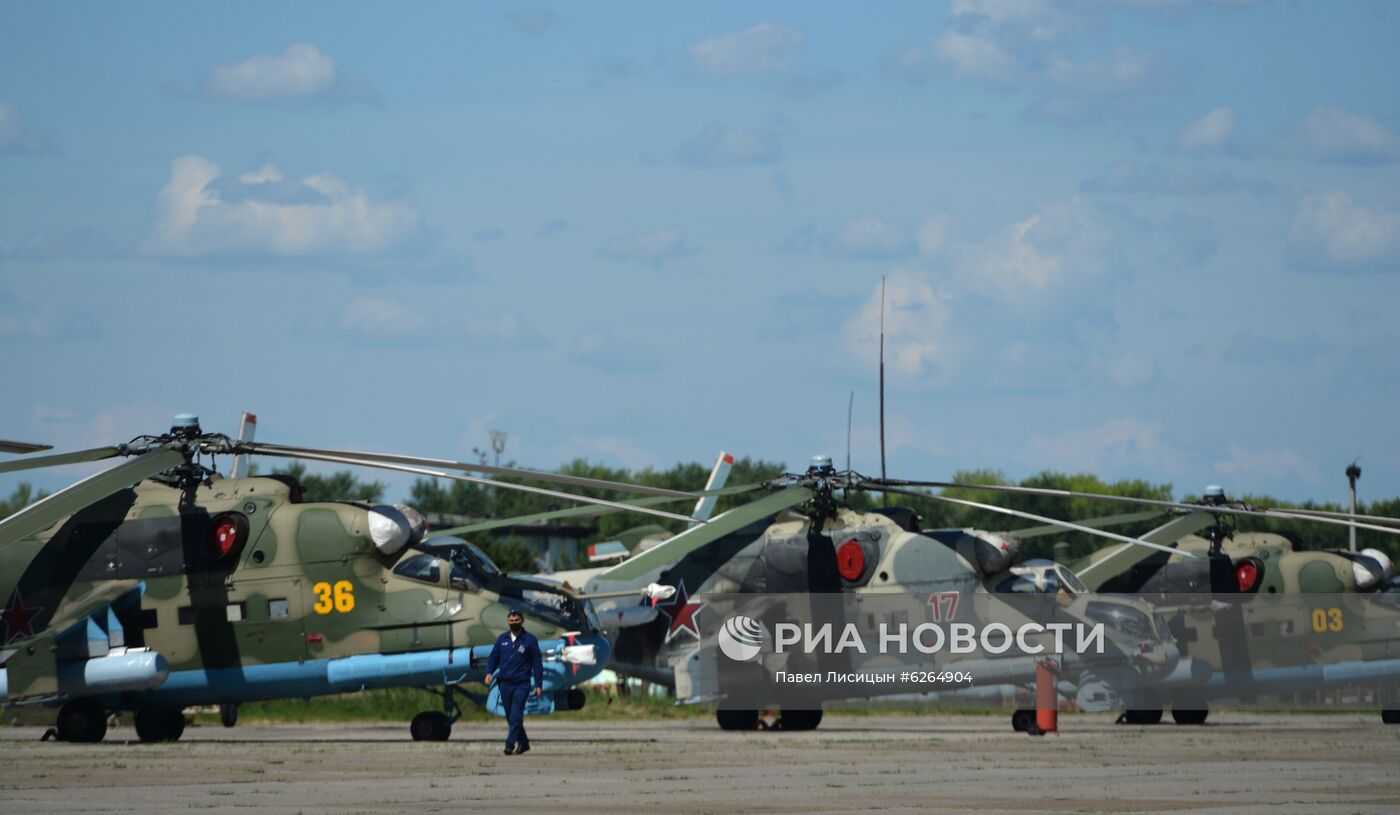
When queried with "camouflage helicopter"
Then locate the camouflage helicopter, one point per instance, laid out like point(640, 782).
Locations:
point(157, 584)
point(1317, 607)
point(801, 538)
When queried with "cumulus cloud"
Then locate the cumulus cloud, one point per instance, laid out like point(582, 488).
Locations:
point(1015, 45)
point(301, 74)
point(1280, 463)
point(15, 138)
point(1131, 178)
point(974, 56)
point(1331, 232)
point(1338, 135)
point(916, 321)
point(765, 50)
point(647, 247)
point(202, 212)
point(1213, 131)
point(717, 146)
point(772, 52)
point(1063, 244)
point(298, 72)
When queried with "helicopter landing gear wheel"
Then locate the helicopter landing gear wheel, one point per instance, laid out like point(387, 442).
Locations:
point(1190, 715)
point(737, 719)
point(82, 720)
point(1141, 716)
point(1391, 715)
point(430, 726)
point(228, 714)
point(800, 719)
point(159, 724)
point(1023, 720)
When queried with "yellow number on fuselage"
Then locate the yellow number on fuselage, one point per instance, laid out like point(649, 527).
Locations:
point(340, 597)
point(1327, 619)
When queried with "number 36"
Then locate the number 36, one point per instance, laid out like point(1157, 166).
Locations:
point(340, 597)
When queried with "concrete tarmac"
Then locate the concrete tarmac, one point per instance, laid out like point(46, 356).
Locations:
point(1236, 763)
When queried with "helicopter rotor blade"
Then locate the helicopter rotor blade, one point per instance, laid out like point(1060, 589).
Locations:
point(59, 459)
point(1097, 523)
point(1260, 512)
point(673, 549)
point(405, 468)
point(74, 497)
point(1043, 519)
point(368, 459)
point(22, 447)
point(578, 512)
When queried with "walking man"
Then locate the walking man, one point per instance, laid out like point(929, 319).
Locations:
point(516, 666)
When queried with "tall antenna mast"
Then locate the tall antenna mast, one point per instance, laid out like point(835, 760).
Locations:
point(850, 406)
point(884, 497)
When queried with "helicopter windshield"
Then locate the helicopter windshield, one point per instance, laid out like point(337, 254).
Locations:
point(473, 570)
point(1127, 619)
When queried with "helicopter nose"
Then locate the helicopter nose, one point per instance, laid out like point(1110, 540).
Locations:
point(389, 528)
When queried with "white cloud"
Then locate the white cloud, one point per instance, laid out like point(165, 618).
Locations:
point(1337, 134)
point(299, 72)
point(1212, 131)
point(1044, 254)
point(1124, 72)
point(916, 318)
point(1332, 232)
point(199, 212)
point(647, 247)
point(768, 49)
point(869, 237)
point(1114, 444)
point(975, 57)
point(1041, 19)
point(717, 145)
point(15, 138)
point(1268, 463)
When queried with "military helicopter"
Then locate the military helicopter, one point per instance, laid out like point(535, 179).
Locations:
point(158, 584)
point(1340, 614)
point(800, 538)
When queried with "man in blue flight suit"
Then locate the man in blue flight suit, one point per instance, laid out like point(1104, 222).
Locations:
point(516, 665)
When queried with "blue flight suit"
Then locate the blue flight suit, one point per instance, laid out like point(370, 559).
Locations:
point(515, 664)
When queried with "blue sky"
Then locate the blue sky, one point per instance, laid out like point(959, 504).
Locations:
point(1148, 238)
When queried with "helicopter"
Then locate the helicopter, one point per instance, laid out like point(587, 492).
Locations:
point(157, 584)
point(800, 538)
point(1302, 608)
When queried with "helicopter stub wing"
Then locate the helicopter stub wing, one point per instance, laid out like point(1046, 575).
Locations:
point(29, 659)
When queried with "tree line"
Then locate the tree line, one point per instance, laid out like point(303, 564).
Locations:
point(480, 501)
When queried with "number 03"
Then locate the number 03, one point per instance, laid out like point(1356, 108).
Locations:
point(340, 597)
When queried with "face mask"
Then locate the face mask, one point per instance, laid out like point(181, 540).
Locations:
point(516, 628)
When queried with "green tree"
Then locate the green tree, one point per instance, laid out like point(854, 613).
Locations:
point(21, 497)
point(338, 486)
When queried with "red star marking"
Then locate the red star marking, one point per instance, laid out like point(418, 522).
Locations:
point(681, 612)
point(19, 618)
